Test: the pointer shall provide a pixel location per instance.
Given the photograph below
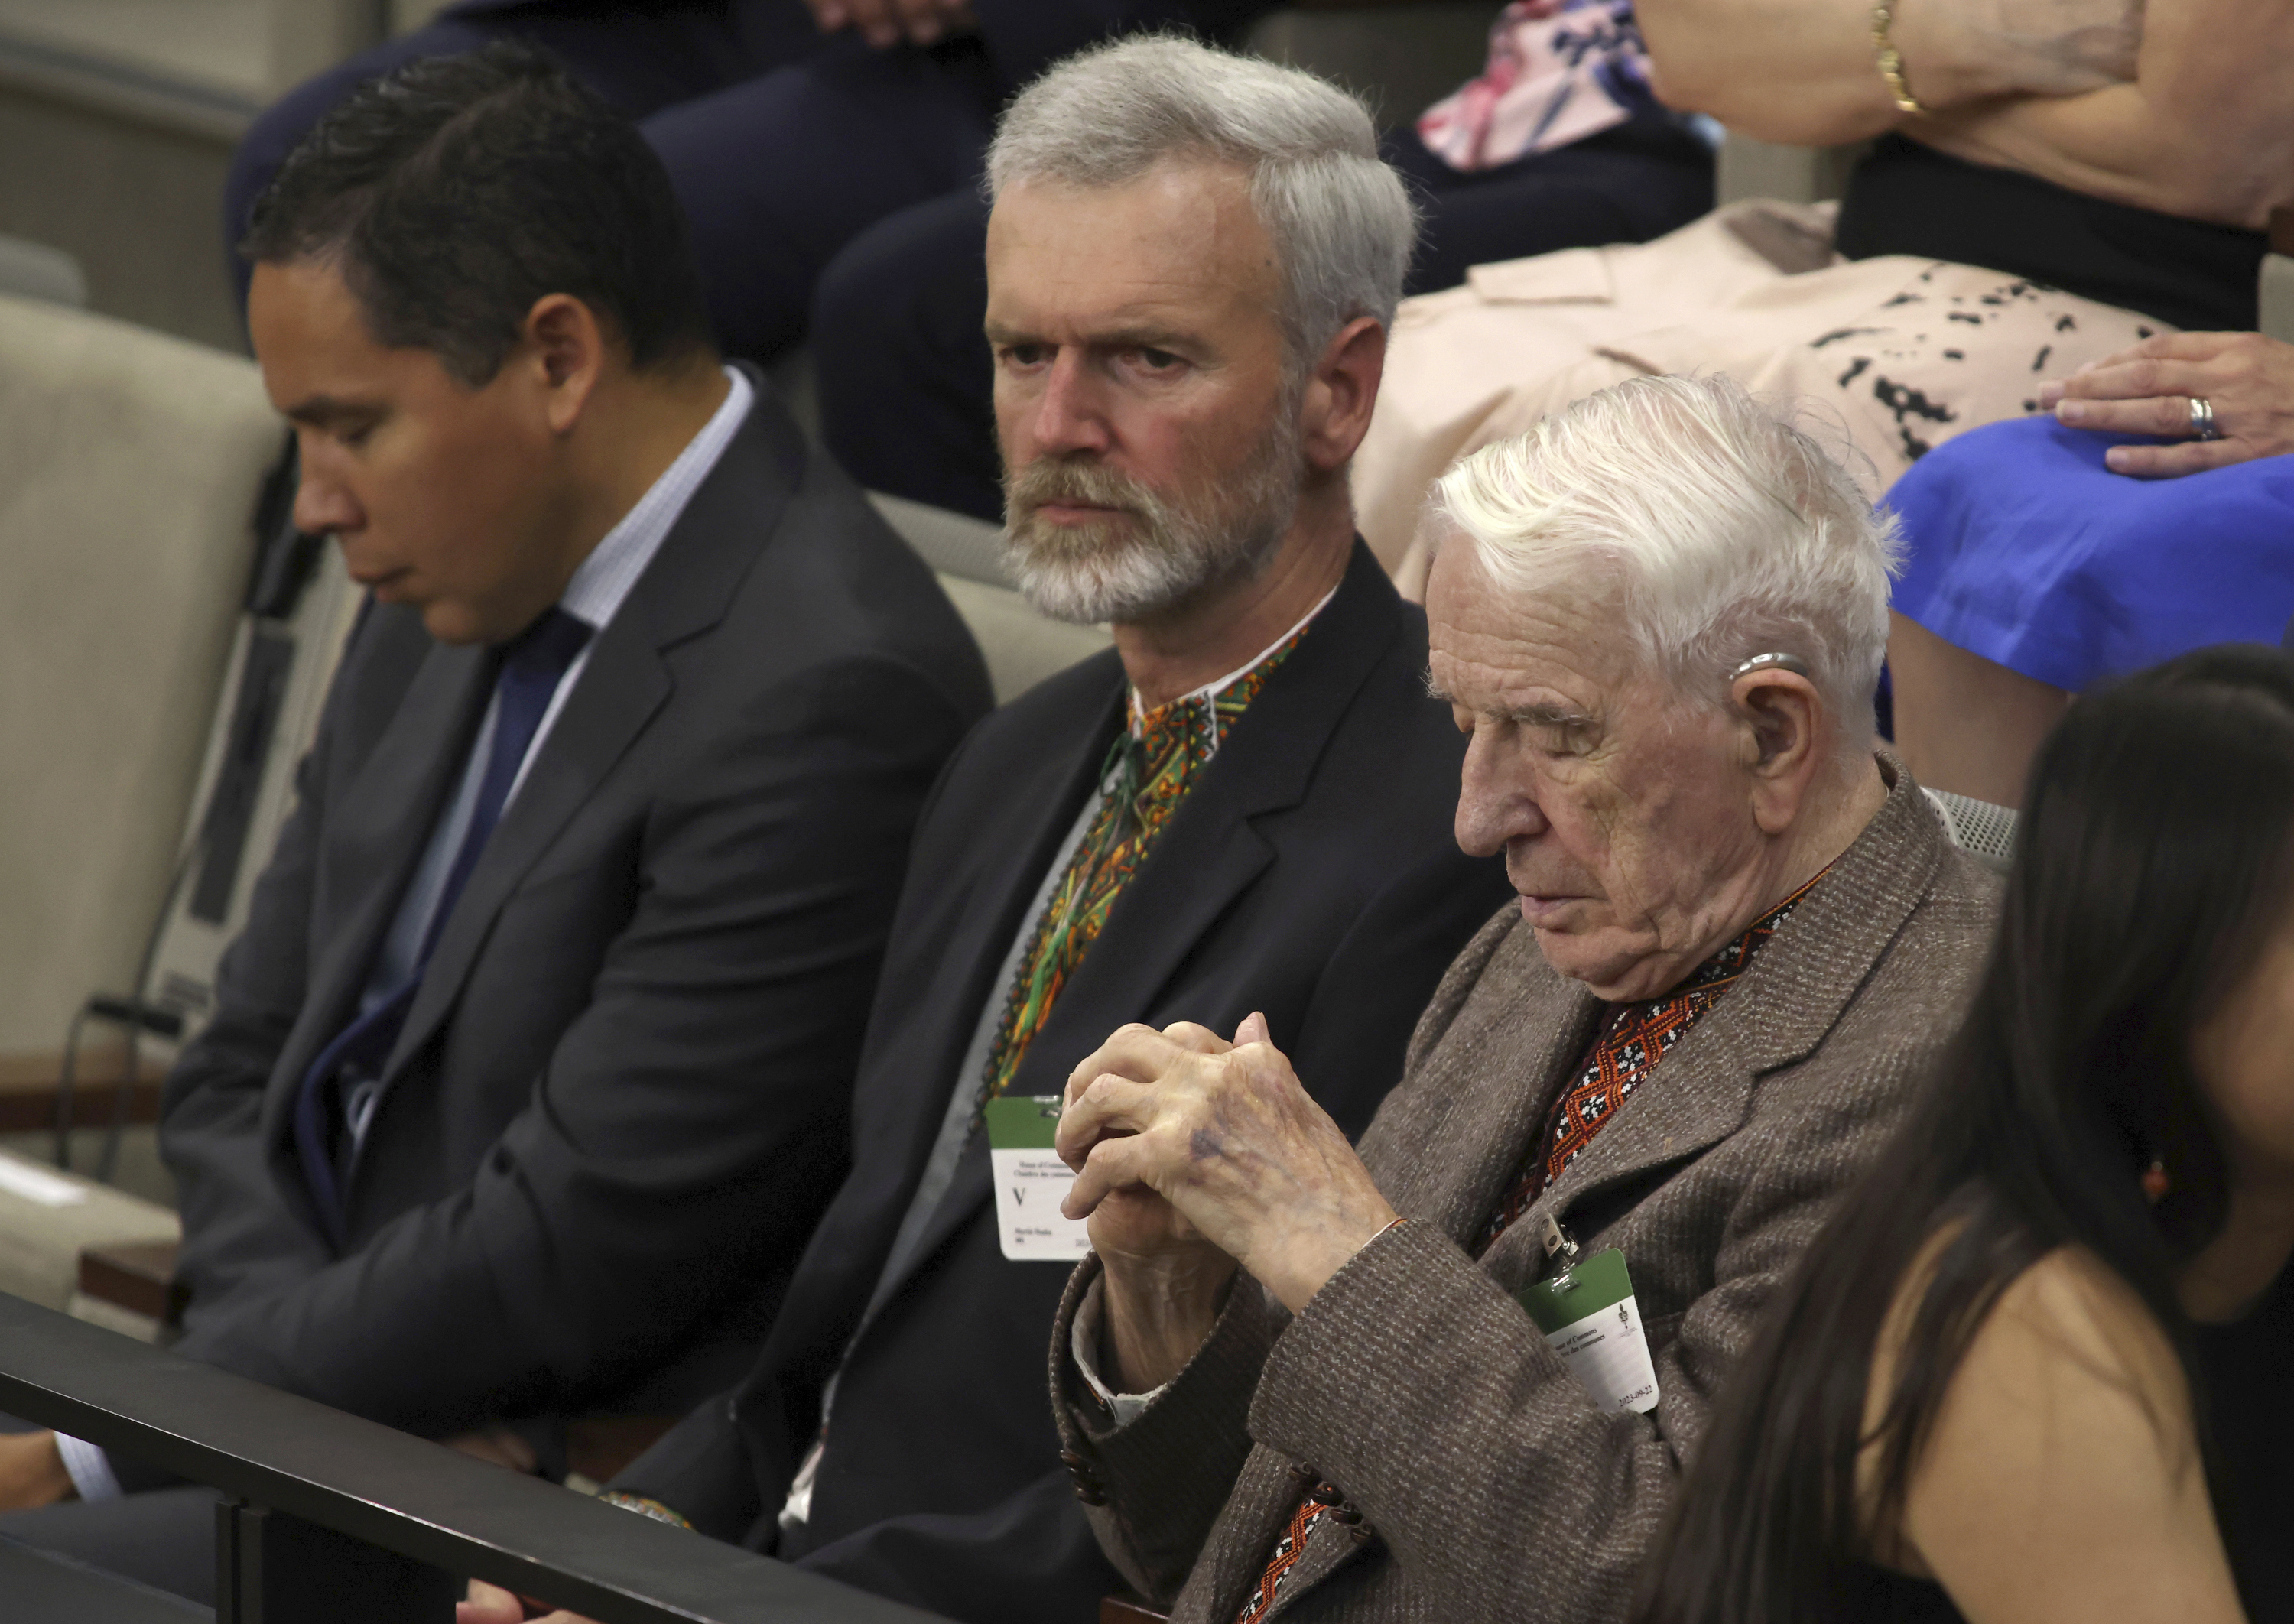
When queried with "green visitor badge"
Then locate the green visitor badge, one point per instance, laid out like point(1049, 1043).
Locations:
point(1031, 1181)
point(1589, 1319)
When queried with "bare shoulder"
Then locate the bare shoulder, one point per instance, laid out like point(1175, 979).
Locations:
point(2062, 1478)
point(2069, 1319)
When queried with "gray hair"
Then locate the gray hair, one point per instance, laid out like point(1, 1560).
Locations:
point(1722, 530)
point(1340, 219)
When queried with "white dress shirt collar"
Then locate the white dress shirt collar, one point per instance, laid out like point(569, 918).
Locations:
point(605, 577)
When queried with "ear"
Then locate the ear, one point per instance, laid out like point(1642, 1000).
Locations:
point(568, 353)
point(1335, 415)
point(1784, 722)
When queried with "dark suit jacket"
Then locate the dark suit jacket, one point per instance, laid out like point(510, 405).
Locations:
point(1311, 874)
point(1023, 36)
point(1490, 1486)
point(618, 1104)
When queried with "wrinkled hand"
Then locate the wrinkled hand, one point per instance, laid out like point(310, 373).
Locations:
point(1240, 1155)
point(32, 1472)
point(491, 1604)
point(2247, 378)
point(497, 1446)
point(886, 23)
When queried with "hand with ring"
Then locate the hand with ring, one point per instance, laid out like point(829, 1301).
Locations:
point(2220, 398)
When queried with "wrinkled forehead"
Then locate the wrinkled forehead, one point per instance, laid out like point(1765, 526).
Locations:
point(1183, 239)
point(1561, 651)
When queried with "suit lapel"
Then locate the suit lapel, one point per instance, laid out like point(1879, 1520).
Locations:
point(1210, 853)
point(1506, 1088)
point(1044, 804)
point(378, 826)
point(1046, 796)
point(683, 592)
point(1791, 997)
point(1206, 858)
point(622, 688)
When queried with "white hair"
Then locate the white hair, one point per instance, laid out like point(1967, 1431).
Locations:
point(1721, 531)
point(1339, 217)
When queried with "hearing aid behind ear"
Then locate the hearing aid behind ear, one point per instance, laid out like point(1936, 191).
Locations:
point(1793, 663)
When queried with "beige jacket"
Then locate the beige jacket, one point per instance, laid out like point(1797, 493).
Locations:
point(1892, 354)
point(1490, 1487)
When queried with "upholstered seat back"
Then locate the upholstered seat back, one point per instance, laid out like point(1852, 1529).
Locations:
point(129, 467)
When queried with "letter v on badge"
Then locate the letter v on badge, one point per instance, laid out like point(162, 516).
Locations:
point(1031, 1182)
point(1591, 1318)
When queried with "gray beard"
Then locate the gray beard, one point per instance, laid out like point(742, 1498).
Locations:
point(1157, 551)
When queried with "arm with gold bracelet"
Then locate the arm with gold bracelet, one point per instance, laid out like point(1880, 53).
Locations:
point(1824, 72)
point(2204, 129)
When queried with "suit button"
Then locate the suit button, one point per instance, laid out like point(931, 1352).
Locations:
point(1302, 1475)
point(1326, 1494)
point(1345, 1517)
point(1362, 1533)
point(1088, 1488)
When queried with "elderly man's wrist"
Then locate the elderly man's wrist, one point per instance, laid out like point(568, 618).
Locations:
point(1159, 1311)
point(1302, 1261)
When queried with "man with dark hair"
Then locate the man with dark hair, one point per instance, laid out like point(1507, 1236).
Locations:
point(451, 197)
point(527, 1079)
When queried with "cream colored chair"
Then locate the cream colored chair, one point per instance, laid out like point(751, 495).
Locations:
point(32, 270)
point(1022, 647)
point(48, 1218)
point(129, 466)
point(280, 665)
point(1748, 168)
point(2276, 317)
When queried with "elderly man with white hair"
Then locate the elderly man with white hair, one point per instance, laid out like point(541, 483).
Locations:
point(1453, 1375)
point(1243, 806)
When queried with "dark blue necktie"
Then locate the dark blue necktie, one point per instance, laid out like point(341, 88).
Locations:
point(531, 666)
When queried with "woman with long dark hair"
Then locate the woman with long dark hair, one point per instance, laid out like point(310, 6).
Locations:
point(2041, 1365)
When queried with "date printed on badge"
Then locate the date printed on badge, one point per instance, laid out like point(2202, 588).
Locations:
point(1590, 1319)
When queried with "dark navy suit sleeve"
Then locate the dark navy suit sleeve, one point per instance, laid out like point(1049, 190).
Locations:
point(1026, 37)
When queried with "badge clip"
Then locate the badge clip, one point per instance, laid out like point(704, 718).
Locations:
point(1558, 1242)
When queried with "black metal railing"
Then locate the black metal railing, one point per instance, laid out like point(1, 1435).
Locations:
point(327, 1517)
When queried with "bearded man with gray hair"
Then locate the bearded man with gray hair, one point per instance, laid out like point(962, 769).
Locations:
point(1453, 1375)
point(1242, 808)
